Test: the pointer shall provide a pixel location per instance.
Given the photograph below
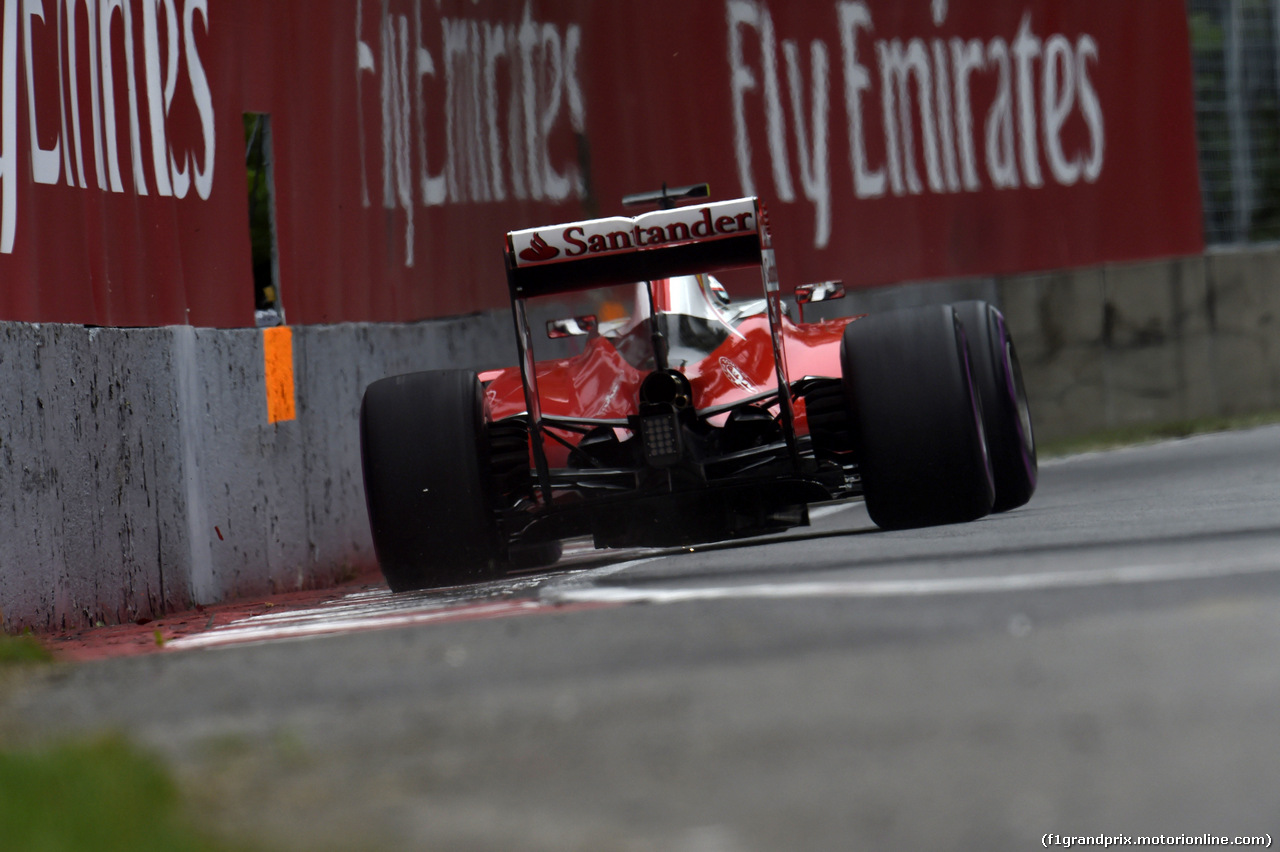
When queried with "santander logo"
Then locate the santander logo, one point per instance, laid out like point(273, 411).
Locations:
point(539, 250)
point(661, 228)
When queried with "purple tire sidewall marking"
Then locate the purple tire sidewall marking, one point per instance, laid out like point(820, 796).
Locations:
point(1025, 446)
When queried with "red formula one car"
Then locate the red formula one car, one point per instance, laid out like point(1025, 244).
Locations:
point(684, 417)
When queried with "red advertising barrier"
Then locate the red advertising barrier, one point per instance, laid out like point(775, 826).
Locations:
point(892, 140)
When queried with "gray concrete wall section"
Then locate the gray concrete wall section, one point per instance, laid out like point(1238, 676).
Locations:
point(1148, 342)
point(1129, 344)
point(140, 474)
point(83, 477)
point(1245, 316)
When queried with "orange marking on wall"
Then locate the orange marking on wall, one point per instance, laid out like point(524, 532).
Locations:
point(277, 351)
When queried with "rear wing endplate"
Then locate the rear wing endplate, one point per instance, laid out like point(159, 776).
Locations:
point(620, 250)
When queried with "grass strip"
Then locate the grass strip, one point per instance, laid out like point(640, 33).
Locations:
point(22, 650)
point(102, 794)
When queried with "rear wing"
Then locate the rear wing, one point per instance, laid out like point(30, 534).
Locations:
point(620, 250)
point(663, 244)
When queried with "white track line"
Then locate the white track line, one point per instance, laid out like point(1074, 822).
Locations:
point(252, 630)
point(381, 609)
point(1122, 575)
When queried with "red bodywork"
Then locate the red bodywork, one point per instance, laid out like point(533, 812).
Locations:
point(600, 384)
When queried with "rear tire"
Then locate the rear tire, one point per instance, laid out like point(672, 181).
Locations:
point(425, 451)
point(921, 450)
point(1005, 414)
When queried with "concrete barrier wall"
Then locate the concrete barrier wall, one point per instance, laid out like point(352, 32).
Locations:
point(1149, 343)
point(141, 475)
point(1130, 344)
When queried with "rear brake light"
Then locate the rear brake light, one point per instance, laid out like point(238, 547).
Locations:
point(660, 435)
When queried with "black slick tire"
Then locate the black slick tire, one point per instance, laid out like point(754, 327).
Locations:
point(921, 450)
point(1006, 416)
point(424, 450)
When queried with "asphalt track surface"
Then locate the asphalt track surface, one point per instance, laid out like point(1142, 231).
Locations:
point(1103, 661)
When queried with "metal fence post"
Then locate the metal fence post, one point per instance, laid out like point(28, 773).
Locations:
point(1238, 122)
